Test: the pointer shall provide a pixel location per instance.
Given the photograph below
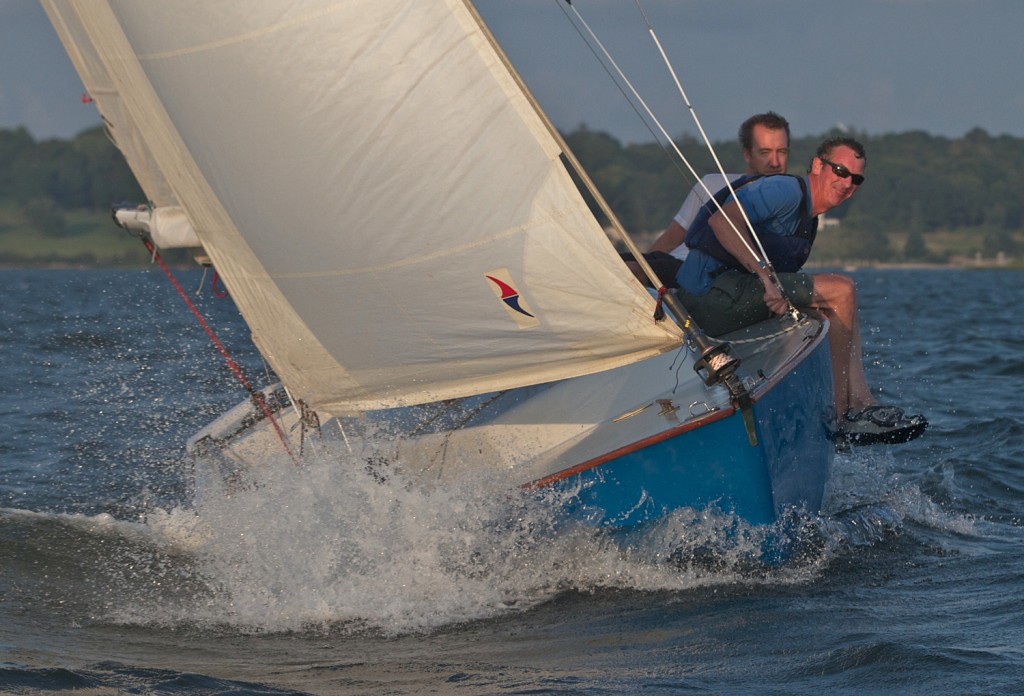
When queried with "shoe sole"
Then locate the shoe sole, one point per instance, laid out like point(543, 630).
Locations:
point(895, 436)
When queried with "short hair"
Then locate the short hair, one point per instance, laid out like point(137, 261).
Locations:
point(770, 120)
point(826, 148)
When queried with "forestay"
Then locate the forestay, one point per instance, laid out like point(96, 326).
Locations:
point(381, 198)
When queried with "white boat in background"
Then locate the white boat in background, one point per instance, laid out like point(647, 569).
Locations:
point(396, 221)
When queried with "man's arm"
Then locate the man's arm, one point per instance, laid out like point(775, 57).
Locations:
point(734, 244)
point(675, 234)
point(670, 239)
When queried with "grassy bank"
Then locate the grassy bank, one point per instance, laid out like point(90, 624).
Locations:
point(92, 239)
point(82, 239)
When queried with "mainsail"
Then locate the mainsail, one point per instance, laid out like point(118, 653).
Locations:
point(380, 196)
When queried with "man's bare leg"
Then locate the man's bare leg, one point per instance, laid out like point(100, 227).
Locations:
point(836, 296)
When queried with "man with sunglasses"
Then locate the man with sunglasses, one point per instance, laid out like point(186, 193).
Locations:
point(725, 287)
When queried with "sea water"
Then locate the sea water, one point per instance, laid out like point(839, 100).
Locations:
point(116, 577)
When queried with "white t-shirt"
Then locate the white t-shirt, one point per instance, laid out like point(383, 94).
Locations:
point(695, 200)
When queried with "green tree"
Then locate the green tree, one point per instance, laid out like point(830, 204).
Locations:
point(998, 241)
point(919, 185)
point(867, 243)
point(45, 216)
point(915, 249)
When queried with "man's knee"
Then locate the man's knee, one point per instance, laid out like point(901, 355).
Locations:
point(835, 288)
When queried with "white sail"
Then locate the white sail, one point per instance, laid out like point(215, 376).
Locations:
point(385, 205)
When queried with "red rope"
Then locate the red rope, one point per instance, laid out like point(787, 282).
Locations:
point(219, 294)
point(256, 396)
point(659, 310)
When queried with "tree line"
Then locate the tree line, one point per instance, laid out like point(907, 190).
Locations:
point(48, 179)
point(919, 186)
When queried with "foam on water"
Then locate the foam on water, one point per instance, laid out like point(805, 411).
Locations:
point(328, 546)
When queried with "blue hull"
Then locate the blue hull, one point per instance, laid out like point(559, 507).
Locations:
point(632, 450)
point(715, 464)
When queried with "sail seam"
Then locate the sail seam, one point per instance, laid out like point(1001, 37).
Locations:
point(242, 38)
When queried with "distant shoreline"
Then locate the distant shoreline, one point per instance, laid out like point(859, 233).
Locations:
point(846, 266)
point(955, 265)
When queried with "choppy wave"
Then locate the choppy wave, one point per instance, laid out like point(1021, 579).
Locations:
point(322, 578)
point(326, 547)
point(111, 679)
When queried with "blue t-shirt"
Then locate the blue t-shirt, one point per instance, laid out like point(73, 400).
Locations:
point(772, 204)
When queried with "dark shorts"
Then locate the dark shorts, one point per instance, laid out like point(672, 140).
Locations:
point(663, 264)
point(736, 299)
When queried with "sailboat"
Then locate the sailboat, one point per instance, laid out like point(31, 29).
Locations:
point(399, 226)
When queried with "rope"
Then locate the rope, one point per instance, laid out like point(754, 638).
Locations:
point(659, 308)
point(257, 397)
point(219, 294)
point(797, 323)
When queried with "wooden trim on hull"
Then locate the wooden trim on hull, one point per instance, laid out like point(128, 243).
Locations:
point(707, 419)
point(761, 391)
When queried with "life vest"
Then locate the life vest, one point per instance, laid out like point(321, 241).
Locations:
point(787, 253)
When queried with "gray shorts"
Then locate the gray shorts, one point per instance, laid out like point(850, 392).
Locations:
point(736, 299)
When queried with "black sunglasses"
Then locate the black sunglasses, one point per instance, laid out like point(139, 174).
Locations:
point(842, 172)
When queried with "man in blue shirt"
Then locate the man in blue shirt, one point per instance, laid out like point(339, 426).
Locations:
point(724, 285)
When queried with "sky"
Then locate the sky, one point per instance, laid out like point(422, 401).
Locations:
point(875, 66)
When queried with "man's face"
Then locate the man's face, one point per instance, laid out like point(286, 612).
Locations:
point(835, 188)
point(769, 153)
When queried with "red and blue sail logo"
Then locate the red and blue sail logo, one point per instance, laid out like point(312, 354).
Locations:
point(505, 290)
point(509, 295)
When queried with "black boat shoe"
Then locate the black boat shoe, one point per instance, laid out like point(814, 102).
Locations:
point(874, 425)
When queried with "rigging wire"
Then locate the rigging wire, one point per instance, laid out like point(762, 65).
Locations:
point(650, 113)
point(762, 257)
point(763, 260)
point(700, 128)
point(625, 80)
point(618, 84)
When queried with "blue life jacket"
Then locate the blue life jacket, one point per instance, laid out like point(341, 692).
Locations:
point(787, 253)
